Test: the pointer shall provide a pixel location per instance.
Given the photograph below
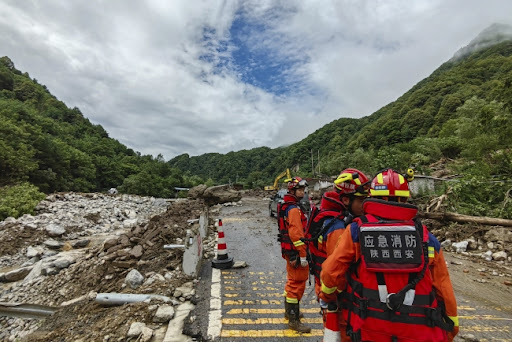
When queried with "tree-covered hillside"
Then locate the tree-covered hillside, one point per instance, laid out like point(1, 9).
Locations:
point(47, 147)
point(460, 113)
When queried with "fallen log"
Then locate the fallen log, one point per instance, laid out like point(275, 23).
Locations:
point(447, 216)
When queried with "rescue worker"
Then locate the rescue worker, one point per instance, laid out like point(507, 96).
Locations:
point(397, 283)
point(292, 223)
point(350, 189)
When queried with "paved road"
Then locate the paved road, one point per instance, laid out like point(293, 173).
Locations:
point(251, 301)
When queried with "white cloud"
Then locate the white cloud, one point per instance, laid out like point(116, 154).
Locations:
point(137, 69)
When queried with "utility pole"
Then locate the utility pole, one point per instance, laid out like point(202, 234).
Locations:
point(318, 161)
point(312, 167)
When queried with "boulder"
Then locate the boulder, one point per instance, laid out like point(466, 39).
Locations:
point(499, 234)
point(197, 191)
point(221, 194)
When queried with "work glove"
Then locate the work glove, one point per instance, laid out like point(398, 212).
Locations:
point(303, 262)
point(294, 261)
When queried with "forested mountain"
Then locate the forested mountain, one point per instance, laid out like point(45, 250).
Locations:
point(46, 146)
point(461, 112)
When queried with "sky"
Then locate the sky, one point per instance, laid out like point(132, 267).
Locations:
point(200, 76)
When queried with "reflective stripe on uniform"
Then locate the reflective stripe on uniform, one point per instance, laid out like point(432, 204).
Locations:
point(379, 192)
point(298, 243)
point(455, 320)
point(328, 290)
point(292, 300)
point(402, 193)
point(431, 252)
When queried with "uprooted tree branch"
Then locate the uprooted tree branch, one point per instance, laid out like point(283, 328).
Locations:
point(447, 216)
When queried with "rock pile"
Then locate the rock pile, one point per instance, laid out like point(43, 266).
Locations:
point(79, 245)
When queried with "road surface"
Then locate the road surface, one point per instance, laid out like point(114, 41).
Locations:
point(251, 304)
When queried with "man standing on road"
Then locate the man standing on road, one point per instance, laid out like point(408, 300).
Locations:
point(337, 210)
point(397, 283)
point(292, 223)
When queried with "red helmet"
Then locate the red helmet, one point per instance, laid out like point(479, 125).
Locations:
point(352, 181)
point(389, 182)
point(331, 201)
point(296, 182)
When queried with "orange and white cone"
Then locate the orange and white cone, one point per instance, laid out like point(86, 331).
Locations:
point(222, 260)
point(332, 327)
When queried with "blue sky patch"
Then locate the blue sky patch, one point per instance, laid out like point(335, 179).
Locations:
point(253, 57)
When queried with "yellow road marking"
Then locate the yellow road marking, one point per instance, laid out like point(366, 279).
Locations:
point(253, 302)
point(268, 320)
point(486, 317)
point(266, 288)
point(266, 311)
point(268, 333)
point(480, 328)
point(231, 295)
point(467, 308)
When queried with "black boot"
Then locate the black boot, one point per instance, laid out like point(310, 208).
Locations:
point(286, 309)
point(295, 323)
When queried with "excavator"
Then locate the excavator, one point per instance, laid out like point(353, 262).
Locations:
point(281, 175)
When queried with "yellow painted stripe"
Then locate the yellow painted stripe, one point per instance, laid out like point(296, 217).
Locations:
point(467, 308)
point(485, 317)
point(266, 311)
point(265, 288)
point(253, 302)
point(260, 273)
point(481, 328)
point(231, 295)
point(268, 333)
point(269, 320)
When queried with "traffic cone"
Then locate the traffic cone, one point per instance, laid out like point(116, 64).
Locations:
point(222, 260)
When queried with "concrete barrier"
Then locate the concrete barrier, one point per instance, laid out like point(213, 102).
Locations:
point(194, 249)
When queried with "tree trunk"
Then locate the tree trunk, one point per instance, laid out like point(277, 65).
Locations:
point(466, 218)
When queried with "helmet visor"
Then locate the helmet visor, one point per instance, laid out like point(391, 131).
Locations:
point(302, 183)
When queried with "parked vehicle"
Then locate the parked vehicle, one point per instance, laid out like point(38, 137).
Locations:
point(278, 198)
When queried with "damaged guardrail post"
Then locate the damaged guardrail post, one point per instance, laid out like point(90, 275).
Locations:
point(193, 254)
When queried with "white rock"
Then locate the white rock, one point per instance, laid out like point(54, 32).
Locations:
point(164, 314)
point(500, 256)
point(140, 331)
point(487, 255)
point(460, 246)
point(134, 279)
point(54, 230)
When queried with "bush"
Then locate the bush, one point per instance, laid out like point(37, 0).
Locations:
point(18, 200)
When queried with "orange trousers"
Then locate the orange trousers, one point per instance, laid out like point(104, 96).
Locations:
point(341, 322)
point(295, 282)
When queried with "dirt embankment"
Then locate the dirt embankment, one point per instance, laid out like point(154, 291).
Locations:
point(132, 243)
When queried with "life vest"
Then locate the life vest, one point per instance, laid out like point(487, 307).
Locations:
point(389, 295)
point(315, 238)
point(287, 247)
